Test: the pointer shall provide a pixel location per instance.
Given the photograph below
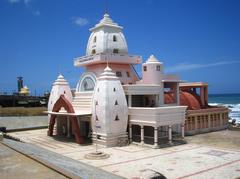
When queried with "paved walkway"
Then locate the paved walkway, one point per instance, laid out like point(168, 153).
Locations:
point(15, 165)
point(192, 160)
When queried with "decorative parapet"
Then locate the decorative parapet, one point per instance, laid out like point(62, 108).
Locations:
point(104, 58)
point(159, 116)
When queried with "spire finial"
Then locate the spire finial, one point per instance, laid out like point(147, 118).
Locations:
point(59, 69)
point(106, 7)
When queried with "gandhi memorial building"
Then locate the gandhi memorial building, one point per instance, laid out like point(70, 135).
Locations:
point(111, 105)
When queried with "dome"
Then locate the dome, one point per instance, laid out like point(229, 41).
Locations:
point(106, 37)
point(186, 99)
point(190, 100)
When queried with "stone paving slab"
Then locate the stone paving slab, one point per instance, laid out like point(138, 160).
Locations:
point(192, 160)
point(75, 169)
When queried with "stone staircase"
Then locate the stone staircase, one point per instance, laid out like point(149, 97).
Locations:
point(82, 102)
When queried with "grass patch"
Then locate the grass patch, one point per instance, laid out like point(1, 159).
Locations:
point(22, 111)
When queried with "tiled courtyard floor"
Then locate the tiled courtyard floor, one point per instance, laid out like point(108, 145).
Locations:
point(196, 159)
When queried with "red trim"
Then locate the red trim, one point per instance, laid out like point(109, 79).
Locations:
point(63, 102)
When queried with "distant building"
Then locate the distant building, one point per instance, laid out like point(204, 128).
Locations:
point(112, 105)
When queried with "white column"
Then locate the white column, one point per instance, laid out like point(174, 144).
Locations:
point(161, 95)
point(209, 121)
point(155, 136)
point(129, 100)
point(196, 123)
point(157, 100)
point(142, 134)
point(130, 132)
point(68, 127)
point(221, 120)
point(182, 127)
point(170, 134)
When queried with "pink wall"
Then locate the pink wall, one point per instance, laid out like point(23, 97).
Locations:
point(123, 68)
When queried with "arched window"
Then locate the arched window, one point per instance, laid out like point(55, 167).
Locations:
point(114, 89)
point(116, 118)
point(118, 74)
point(93, 51)
point(115, 50)
point(114, 38)
point(158, 68)
point(96, 118)
point(116, 103)
point(144, 68)
point(95, 39)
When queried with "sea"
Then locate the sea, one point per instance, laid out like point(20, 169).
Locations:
point(232, 101)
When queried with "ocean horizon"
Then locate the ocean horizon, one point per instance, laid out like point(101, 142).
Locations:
point(232, 101)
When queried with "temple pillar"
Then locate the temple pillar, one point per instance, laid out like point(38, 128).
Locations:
point(206, 95)
point(130, 132)
point(155, 137)
point(202, 96)
point(182, 129)
point(170, 134)
point(142, 134)
point(156, 101)
point(68, 127)
point(129, 100)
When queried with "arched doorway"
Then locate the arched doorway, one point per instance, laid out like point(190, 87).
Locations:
point(63, 102)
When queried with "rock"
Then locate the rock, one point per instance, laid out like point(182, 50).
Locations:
point(234, 122)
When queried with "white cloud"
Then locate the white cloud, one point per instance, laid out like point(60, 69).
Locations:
point(187, 66)
point(13, 1)
point(26, 2)
point(80, 21)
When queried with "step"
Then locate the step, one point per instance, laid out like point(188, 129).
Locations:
point(83, 94)
point(82, 98)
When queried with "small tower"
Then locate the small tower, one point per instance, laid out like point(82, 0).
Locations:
point(109, 110)
point(152, 71)
point(59, 87)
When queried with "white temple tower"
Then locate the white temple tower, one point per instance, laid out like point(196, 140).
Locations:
point(106, 37)
point(109, 110)
point(59, 87)
point(152, 71)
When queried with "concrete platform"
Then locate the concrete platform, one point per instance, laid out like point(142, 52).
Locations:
point(203, 157)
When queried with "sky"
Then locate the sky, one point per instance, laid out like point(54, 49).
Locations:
point(199, 40)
